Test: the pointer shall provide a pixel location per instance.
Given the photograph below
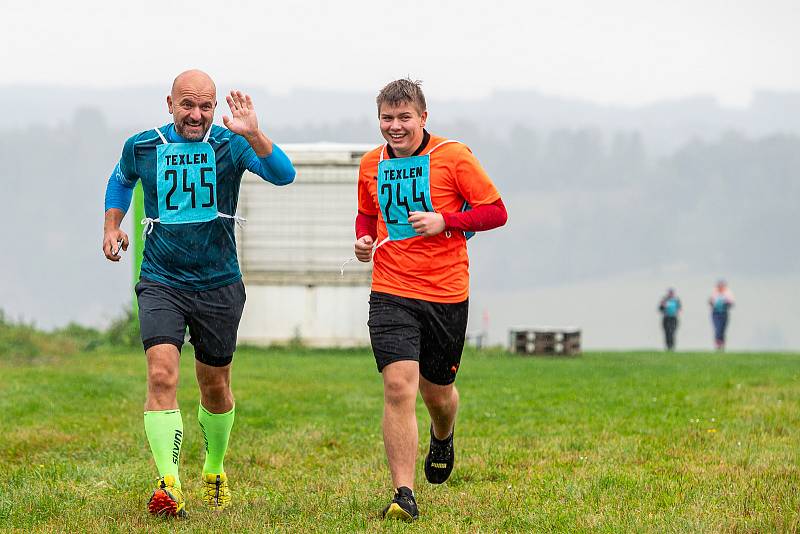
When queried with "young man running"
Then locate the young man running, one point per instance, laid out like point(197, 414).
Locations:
point(419, 196)
point(190, 172)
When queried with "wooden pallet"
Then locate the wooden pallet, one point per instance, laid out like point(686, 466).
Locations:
point(545, 340)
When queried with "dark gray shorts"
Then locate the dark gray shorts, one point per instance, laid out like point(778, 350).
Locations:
point(212, 317)
point(430, 333)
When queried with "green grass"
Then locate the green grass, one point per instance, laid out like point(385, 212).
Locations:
point(618, 442)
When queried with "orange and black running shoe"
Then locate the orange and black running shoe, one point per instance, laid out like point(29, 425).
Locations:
point(167, 499)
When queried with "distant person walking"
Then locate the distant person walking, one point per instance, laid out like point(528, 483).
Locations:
point(721, 302)
point(670, 308)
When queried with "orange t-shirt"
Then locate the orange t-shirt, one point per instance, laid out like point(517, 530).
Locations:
point(434, 269)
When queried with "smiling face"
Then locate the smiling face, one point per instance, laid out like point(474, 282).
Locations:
point(192, 104)
point(402, 127)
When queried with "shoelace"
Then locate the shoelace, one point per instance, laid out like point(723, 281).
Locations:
point(409, 502)
point(214, 492)
point(439, 450)
point(404, 497)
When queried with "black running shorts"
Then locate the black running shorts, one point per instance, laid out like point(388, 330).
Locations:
point(431, 333)
point(212, 317)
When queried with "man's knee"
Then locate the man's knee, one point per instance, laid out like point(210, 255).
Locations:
point(439, 397)
point(162, 367)
point(215, 386)
point(399, 388)
point(213, 377)
point(162, 378)
point(215, 391)
point(398, 392)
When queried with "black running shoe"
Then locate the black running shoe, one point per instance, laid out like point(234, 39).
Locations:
point(439, 461)
point(403, 506)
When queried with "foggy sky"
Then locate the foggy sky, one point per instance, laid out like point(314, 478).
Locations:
point(626, 52)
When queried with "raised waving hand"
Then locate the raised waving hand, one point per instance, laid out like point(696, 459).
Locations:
point(245, 120)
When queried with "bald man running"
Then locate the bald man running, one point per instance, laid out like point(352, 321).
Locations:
point(191, 171)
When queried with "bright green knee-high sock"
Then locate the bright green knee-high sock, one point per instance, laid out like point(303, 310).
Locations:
point(164, 431)
point(216, 431)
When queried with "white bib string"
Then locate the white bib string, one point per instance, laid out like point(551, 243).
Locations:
point(149, 222)
point(354, 258)
point(349, 260)
point(443, 143)
point(163, 139)
point(148, 226)
point(236, 218)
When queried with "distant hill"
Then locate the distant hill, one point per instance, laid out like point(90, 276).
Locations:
point(663, 126)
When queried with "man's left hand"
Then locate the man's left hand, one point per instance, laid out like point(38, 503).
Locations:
point(244, 121)
point(426, 223)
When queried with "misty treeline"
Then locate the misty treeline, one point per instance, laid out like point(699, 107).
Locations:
point(583, 203)
point(586, 204)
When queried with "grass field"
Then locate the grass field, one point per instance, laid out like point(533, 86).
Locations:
point(617, 442)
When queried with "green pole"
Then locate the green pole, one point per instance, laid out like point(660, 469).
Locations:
point(138, 242)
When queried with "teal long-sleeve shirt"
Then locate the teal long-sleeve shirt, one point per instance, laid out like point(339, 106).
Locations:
point(200, 255)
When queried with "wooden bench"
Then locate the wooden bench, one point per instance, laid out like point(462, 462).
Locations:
point(545, 340)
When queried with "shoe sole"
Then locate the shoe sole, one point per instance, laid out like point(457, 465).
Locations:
point(217, 507)
point(163, 505)
point(396, 512)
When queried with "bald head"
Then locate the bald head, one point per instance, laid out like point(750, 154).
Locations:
point(194, 78)
point(192, 103)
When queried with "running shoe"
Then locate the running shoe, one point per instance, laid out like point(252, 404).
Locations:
point(216, 493)
point(167, 499)
point(403, 506)
point(439, 461)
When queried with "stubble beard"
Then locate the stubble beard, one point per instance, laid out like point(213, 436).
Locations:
point(182, 131)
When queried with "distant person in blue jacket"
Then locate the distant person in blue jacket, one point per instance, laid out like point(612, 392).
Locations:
point(670, 308)
point(721, 301)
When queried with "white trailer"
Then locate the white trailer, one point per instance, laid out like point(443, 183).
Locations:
point(292, 247)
